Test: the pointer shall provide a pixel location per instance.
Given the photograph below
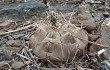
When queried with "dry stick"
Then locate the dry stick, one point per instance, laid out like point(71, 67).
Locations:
point(71, 15)
point(25, 53)
point(23, 56)
point(51, 63)
point(20, 29)
point(9, 66)
point(75, 55)
point(64, 18)
point(67, 58)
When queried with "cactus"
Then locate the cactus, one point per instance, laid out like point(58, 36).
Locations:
point(57, 42)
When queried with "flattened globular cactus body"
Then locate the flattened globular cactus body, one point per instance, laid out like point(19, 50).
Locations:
point(59, 43)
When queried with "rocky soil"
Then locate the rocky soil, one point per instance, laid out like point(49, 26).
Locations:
point(23, 24)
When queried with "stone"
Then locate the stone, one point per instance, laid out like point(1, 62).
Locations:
point(21, 10)
point(105, 38)
point(106, 54)
point(13, 43)
point(85, 18)
point(93, 37)
point(98, 17)
point(3, 41)
point(105, 32)
point(63, 9)
point(7, 52)
point(10, 38)
point(17, 65)
point(2, 31)
point(94, 47)
point(5, 25)
point(4, 57)
point(108, 2)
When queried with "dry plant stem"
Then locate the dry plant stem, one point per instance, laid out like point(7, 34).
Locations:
point(28, 54)
point(67, 59)
point(51, 63)
point(23, 56)
point(9, 66)
point(99, 26)
point(64, 18)
point(20, 29)
point(75, 55)
point(25, 53)
point(35, 63)
point(71, 15)
point(16, 24)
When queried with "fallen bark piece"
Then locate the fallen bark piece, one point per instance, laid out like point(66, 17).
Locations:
point(57, 43)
